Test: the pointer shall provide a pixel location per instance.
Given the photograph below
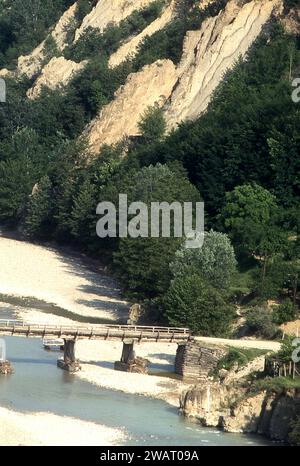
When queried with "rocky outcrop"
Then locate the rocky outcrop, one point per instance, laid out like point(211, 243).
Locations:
point(32, 64)
point(130, 48)
point(110, 12)
point(151, 86)
point(207, 403)
point(6, 368)
point(234, 408)
point(5, 73)
point(211, 51)
point(57, 74)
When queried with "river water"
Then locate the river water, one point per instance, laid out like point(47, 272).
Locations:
point(39, 386)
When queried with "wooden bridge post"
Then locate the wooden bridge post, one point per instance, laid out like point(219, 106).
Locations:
point(69, 362)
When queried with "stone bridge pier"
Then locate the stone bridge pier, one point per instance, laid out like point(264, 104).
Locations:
point(69, 362)
point(195, 360)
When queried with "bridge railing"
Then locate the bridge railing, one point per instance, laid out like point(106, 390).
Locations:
point(89, 328)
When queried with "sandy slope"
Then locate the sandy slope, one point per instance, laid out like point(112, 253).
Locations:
point(49, 429)
point(33, 271)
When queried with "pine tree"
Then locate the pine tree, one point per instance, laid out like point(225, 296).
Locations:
point(37, 221)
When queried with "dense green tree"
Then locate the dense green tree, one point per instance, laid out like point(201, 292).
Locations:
point(83, 213)
point(143, 263)
point(192, 302)
point(153, 125)
point(16, 185)
point(39, 211)
point(285, 312)
point(26, 23)
point(251, 215)
point(215, 261)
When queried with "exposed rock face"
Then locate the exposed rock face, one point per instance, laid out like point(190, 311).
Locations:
point(186, 90)
point(30, 65)
point(151, 86)
point(110, 12)
point(129, 49)
point(233, 408)
point(207, 402)
point(210, 52)
point(55, 75)
point(245, 416)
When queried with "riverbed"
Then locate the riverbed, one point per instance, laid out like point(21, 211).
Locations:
point(38, 386)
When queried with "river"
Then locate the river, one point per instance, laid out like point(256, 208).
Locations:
point(39, 386)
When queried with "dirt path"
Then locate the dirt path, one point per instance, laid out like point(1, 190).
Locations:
point(258, 344)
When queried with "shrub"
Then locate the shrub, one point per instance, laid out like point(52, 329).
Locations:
point(285, 312)
point(286, 350)
point(241, 357)
point(260, 322)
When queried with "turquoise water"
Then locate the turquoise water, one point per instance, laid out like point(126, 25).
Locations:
point(38, 385)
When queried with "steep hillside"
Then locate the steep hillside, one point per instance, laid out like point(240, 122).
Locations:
point(208, 53)
point(184, 93)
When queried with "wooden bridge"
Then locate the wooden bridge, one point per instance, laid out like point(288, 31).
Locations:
point(97, 332)
point(128, 334)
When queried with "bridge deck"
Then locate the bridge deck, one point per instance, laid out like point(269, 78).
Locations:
point(97, 332)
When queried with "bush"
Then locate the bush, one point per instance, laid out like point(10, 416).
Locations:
point(152, 125)
point(191, 302)
point(286, 350)
point(285, 312)
point(241, 357)
point(260, 322)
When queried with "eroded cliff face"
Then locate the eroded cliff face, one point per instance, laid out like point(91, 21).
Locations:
point(207, 55)
point(211, 51)
point(120, 118)
point(129, 49)
point(183, 91)
point(55, 75)
point(110, 12)
point(235, 409)
point(32, 64)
